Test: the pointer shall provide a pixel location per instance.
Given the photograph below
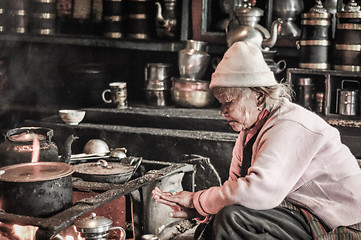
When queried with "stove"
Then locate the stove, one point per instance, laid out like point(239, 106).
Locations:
point(129, 204)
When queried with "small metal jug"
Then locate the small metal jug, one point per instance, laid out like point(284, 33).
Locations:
point(158, 84)
point(348, 99)
point(97, 228)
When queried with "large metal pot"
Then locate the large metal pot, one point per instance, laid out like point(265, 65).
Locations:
point(108, 172)
point(18, 146)
point(191, 93)
point(36, 189)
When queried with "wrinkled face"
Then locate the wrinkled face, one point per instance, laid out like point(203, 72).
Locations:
point(240, 110)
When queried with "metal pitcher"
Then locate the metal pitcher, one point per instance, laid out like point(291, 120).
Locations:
point(158, 84)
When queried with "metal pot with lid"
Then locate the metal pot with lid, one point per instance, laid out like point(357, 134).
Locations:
point(97, 227)
point(36, 189)
point(109, 172)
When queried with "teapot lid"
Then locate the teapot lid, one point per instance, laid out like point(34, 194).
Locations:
point(94, 224)
point(351, 10)
point(249, 11)
point(28, 134)
point(317, 11)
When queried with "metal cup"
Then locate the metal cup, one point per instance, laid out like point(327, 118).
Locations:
point(118, 94)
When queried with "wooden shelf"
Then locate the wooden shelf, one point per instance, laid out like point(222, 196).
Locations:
point(96, 41)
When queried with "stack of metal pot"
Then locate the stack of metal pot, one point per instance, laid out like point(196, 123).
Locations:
point(347, 54)
point(190, 90)
point(315, 41)
point(157, 84)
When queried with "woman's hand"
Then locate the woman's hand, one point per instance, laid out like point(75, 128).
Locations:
point(181, 203)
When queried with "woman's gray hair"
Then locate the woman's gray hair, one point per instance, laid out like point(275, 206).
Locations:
point(271, 94)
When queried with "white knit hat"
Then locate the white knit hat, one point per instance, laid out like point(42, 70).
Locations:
point(242, 65)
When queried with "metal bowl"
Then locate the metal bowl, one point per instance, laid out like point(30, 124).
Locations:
point(191, 93)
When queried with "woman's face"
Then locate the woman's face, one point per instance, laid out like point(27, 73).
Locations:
point(240, 110)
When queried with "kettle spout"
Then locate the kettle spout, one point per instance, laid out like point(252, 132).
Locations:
point(67, 148)
point(271, 41)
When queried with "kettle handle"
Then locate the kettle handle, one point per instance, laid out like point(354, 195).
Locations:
point(229, 23)
point(354, 81)
point(122, 232)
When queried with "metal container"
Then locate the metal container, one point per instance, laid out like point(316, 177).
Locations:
point(140, 23)
point(19, 16)
point(158, 84)
point(4, 15)
point(193, 60)
point(348, 99)
point(39, 189)
point(18, 146)
point(304, 92)
point(191, 93)
point(347, 53)
point(42, 16)
point(113, 18)
point(84, 84)
point(315, 41)
point(97, 228)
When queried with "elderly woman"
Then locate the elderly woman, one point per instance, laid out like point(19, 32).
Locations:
point(290, 175)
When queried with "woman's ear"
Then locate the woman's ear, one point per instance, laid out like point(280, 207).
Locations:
point(260, 98)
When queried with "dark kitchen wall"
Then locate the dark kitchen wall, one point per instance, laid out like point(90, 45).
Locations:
point(37, 71)
point(38, 74)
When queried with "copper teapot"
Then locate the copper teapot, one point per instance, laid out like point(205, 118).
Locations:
point(18, 146)
point(245, 27)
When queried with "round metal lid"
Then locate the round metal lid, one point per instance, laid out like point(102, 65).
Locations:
point(26, 137)
point(93, 222)
point(103, 167)
point(317, 11)
point(35, 172)
point(249, 11)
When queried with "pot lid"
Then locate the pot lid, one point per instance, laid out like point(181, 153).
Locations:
point(35, 172)
point(249, 11)
point(317, 11)
point(93, 223)
point(103, 167)
point(351, 10)
point(28, 134)
point(26, 137)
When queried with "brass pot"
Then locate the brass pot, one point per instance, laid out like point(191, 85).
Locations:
point(191, 93)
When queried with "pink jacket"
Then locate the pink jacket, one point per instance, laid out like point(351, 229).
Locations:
point(299, 157)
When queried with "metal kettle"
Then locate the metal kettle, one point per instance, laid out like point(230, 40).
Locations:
point(97, 228)
point(245, 27)
point(18, 146)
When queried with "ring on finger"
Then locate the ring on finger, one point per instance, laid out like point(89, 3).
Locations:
point(173, 192)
